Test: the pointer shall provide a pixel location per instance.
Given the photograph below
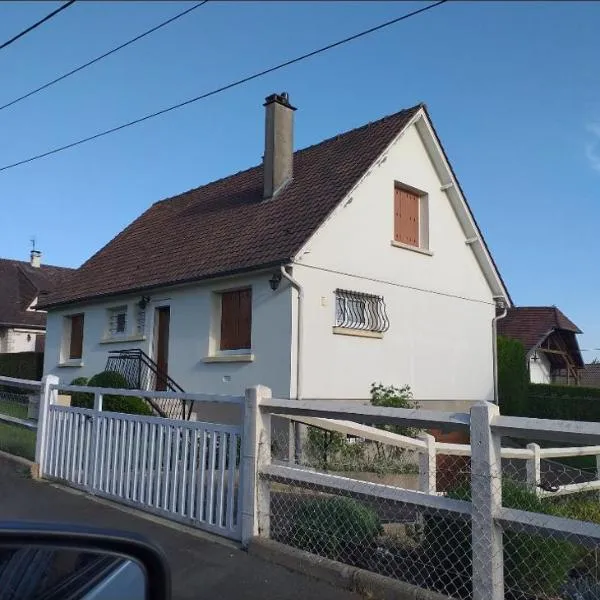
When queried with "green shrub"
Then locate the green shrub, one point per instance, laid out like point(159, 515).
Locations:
point(22, 365)
point(566, 402)
point(334, 527)
point(533, 564)
point(513, 376)
point(81, 399)
point(111, 402)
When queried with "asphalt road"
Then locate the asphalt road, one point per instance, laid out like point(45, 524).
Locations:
point(200, 567)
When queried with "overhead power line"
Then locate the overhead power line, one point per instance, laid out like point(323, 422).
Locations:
point(223, 88)
point(35, 25)
point(99, 58)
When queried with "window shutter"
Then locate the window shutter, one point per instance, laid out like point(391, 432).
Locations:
point(236, 320)
point(406, 217)
point(76, 345)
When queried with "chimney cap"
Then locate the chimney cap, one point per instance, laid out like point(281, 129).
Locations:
point(283, 99)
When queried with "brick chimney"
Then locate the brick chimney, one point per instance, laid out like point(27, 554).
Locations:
point(279, 143)
point(36, 259)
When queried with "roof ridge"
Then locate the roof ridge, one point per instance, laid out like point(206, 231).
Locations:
point(296, 152)
point(19, 263)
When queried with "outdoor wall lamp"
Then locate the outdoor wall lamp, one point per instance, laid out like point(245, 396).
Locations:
point(275, 281)
point(144, 302)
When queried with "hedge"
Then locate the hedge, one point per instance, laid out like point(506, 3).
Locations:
point(513, 376)
point(565, 402)
point(22, 365)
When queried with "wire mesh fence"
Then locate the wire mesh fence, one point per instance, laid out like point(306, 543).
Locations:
point(14, 401)
point(428, 546)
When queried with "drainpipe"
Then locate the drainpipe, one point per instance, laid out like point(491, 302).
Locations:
point(500, 303)
point(299, 353)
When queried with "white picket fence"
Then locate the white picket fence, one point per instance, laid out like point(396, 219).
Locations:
point(184, 470)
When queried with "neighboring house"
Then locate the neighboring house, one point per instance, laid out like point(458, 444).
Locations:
point(553, 354)
point(22, 324)
point(590, 376)
point(355, 260)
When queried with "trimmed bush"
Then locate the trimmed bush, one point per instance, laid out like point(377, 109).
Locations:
point(513, 376)
point(81, 399)
point(111, 402)
point(22, 365)
point(570, 403)
point(334, 527)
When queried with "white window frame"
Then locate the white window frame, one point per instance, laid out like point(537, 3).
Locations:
point(113, 312)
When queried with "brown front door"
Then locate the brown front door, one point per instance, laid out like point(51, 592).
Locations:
point(163, 316)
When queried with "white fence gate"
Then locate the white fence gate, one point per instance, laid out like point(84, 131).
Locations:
point(183, 470)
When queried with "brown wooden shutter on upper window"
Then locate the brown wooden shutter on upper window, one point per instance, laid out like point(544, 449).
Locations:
point(406, 217)
point(236, 320)
point(76, 344)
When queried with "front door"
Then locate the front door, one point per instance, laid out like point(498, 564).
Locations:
point(161, 355)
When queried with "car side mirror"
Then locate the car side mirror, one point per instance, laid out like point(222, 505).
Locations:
point(67, 562)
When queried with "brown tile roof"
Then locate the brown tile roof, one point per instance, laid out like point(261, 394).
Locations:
point(225, 226)
point(531, 324)
point(20, 283)
point(590, 376)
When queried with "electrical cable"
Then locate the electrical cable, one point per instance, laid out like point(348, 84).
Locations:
point(222, 88)
point(99, 58)
point(36, 25)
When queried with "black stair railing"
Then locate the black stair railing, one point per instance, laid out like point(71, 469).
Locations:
point(142, 373)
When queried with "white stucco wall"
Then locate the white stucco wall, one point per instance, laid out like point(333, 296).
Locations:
point(440, 306)
point(539, 370)
point(191, 317)
point(16, 340)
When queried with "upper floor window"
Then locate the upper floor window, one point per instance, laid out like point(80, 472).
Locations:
point(355, 310)
point(117, 321)
point(410, 217)
point(236, 320)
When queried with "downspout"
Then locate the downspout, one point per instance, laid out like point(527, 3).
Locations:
point(296, 454)
point(500, 303)
point(299, 330)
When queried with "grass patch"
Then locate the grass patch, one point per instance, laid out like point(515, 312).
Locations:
point(17, 440)
point(13, 409)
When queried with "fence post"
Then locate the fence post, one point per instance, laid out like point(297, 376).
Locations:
point(256, 453)
point(427, 465)
point(95, 454)
point(533, 468)
point(47, 397)
point(486, 498)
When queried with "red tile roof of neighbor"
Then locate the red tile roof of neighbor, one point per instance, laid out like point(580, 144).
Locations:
point(532, 324)
point(225, 227)
point(20, 283)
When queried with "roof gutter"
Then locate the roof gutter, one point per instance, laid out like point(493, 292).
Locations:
point(147, 288)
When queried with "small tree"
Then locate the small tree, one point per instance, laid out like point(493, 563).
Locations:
point(513, 376)
point(394, 397)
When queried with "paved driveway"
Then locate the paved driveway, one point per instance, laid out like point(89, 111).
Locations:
point(201, 568)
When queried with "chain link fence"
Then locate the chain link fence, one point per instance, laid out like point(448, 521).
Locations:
point(428, 546)
point(18, 415)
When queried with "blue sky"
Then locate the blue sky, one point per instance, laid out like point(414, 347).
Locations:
point(512, 87)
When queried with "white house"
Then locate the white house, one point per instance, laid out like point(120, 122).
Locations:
point(550, 342)
point(353, 261)
point(22, 324)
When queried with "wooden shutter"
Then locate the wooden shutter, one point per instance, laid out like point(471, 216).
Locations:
point(406, 217)
point(76, 343)
point(236, 320)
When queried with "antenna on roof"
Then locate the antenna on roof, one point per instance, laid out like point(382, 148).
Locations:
point(32, 242)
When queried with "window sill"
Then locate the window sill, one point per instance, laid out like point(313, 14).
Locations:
point(229, 358)
point(75, 362)
point(412, 248)
point(119, 340)
point(357, 332)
